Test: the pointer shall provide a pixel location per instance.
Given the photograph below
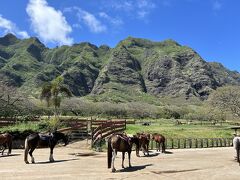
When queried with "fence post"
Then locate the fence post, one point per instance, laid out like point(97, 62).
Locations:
point(92, 136)
point(184, 143)
point(196, 143)
point(221, 143)
point(201, 143)
point(224, 142)
point(172, 143)
point(178, 143)
point(207, 142)
point(125, 124)
point(190, 143)
point(212, 141)
point(100, 144)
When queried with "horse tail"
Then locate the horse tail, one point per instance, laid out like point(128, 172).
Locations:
point(26, 150)
point(109, 153)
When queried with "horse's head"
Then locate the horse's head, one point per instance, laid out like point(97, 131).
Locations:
point(61, 136)
point(152, 136)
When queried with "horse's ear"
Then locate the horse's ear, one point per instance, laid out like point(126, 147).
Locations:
point(54, 130)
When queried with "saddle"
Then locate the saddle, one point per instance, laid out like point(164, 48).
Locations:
point(125, 138)
point(45, 137)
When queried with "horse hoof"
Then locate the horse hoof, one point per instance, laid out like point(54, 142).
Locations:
point(114, 170)
point(26, 162)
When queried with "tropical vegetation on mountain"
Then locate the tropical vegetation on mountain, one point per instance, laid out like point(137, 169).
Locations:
point(137, 78)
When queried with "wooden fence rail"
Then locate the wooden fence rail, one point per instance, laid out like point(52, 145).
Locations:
point(102, 129)
point(194, 143)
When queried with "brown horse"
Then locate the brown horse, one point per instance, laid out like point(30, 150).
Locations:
point(144, 140)
point(122, 143)
point(159, 139)
point(6, 141)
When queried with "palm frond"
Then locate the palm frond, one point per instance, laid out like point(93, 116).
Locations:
point(65, 90)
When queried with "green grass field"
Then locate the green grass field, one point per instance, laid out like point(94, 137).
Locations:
point(166, 127)
point(170, 130)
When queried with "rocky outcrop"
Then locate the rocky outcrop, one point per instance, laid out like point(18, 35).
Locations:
point(135, 65)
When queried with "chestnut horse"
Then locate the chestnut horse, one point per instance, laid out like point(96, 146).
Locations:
point(6, 141)
point(159, 139)
point(122, 143)
point(144, 140)
point(42, 140)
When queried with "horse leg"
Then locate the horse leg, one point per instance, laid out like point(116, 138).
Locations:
point(113, 159)
point(26, 152)
point(9, 147)
point(238, 149)
point(123, 157)
point(163, 147)
point(51, 155)
point(129, 158)
point(148, 149)
point(4, 147)
point(144, 149)
point(159, 146)
point(30, 153)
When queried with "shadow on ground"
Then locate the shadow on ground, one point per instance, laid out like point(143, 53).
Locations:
point(56, 161)
point(174, 171)
point(9, 155)
point(134, 168)
point(83, 154)
point(168, 152)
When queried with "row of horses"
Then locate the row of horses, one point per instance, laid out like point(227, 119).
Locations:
point(122, 143)
point(116, 143)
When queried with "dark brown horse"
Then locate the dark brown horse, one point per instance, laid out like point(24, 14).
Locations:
point(144, 140)
point(6, 141)
point(43, 140)
point(159, 139)
point(122, 143)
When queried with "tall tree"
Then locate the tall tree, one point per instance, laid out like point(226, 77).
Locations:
point(53, 93)
point(227, 99)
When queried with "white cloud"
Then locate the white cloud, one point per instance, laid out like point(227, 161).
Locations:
point(135, 8)
point(111, 20)
point(217, 5)
point(91, 21)
point(49, 23)
point(10, 27)
point(95, 25)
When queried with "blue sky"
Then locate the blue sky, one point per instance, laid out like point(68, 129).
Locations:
point(211, 27)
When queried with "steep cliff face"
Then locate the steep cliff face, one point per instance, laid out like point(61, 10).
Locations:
point(134, 65)
point(121, 72)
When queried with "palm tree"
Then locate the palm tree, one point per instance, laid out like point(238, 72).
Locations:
point(53, 92)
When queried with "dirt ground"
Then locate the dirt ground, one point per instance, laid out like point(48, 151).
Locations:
point(75, 161)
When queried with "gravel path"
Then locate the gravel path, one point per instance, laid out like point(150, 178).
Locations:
point(74, 162)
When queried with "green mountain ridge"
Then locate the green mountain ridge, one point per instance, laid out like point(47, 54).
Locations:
point(135, 67)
